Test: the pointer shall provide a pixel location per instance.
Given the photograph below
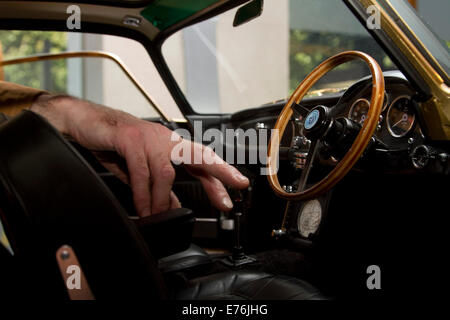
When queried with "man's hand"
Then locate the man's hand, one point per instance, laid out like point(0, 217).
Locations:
point(146, 148)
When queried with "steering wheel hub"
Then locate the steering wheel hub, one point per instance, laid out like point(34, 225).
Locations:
point(312, 119)
point(317, 122)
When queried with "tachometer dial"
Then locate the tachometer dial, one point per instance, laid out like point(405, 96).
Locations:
point(358, 111)
point(309, 218)
point(400, 117)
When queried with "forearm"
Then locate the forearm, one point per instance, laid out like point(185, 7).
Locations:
point(54, 110)
point(92, 125)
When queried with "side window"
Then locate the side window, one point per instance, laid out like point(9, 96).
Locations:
point(97, 79)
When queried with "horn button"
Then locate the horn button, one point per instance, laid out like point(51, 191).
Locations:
point(317, 123)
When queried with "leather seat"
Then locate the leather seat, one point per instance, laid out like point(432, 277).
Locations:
point(187, 259)
point(245, 285)
point(51, 197)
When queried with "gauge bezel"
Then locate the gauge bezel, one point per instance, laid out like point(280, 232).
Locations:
point(385, 102)
point(300, 214)
point(353, 105)
point(388, 125)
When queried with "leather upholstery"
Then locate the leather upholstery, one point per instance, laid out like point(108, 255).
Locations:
point(192, 257)
point(173, 228)
point(244, 285)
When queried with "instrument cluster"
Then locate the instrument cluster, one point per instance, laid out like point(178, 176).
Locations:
point(398, 126)
point(397, 114)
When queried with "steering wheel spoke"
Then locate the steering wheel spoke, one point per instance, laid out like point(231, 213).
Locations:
point(334, 111)
point(300, 110)
point(308, 165)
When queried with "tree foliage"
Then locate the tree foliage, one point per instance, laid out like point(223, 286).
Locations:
point(50, 75)
point(309, 49)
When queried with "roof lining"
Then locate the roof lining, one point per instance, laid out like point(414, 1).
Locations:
point(112, 3)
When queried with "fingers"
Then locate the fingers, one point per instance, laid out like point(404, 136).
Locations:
point(215, 190)
point(151, 180)
point(161, 197)
point(139, 180)
point(217, 193)
point(163, 175)
point(174, 202)
point(215, 166)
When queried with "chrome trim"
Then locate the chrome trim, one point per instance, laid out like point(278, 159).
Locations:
point(353, 105)
point(385, 102)
point(206, 219)
point(387, 118)
point(416, 160)
point(132, 21)
point(278, 233)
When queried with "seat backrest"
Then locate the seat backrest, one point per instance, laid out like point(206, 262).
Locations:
point(51, 197)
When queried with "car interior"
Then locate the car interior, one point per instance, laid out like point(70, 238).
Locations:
point(357, 178)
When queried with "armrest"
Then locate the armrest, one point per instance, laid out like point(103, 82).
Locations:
point(168, 232)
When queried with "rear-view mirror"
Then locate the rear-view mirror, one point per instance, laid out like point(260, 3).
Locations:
point(248, 12)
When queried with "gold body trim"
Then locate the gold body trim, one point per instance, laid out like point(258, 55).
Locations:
point(416, 38)
point(93, 54)
point(435, 111)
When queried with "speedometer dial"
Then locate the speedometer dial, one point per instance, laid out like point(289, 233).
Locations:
point(400, 117)
point(309, 218)
point(358, 111)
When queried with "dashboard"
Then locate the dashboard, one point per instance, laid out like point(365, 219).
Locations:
point(398, 126)
point(399, 144)
point(398, 132)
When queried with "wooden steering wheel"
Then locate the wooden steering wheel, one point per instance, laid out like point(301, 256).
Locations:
point(318, 121)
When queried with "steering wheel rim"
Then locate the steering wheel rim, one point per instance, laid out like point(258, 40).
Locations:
point(358, 146)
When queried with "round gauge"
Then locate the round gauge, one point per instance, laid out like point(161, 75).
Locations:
point(400, 117)
point(358, 111)
point(309, 218)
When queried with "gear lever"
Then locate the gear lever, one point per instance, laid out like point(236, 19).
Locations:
point(238, 257)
